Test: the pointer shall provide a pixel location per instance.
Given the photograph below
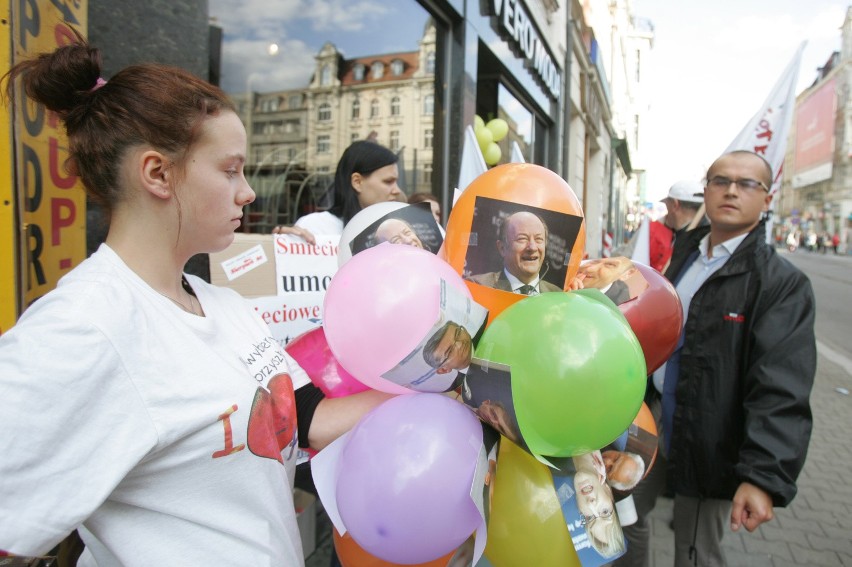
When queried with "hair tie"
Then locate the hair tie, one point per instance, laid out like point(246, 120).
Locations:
point(98, 84)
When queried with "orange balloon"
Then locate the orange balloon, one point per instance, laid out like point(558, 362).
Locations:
point(353, 555)
point(645, 420)
point(525, 184)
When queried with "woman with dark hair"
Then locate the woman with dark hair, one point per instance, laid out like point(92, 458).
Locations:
point(366, 174)
point(174, 415)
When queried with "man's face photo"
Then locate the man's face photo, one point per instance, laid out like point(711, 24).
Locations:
point(397, 231)
point(454, 349)
point(523, 245)
point(601, 272)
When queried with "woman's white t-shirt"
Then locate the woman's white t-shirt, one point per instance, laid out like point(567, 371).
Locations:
point(171, 438)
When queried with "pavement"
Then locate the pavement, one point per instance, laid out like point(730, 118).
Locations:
point(815, 530)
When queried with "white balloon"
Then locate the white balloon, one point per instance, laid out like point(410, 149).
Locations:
point(367, 216)
point(359, 223)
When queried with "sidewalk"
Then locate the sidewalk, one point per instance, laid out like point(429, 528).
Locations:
point(815, 530)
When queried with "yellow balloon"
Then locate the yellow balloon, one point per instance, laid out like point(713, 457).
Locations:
point(492, 153)
point(478, 122)
point(499, 128)
point(484, 138)
point(526, 525)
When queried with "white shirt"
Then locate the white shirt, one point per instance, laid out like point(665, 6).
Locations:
point(321, 223)
point(154, 428)
point(516, 284)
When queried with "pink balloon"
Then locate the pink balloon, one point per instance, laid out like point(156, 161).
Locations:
point(380, 305)
point(311, 351)
point(406, 476)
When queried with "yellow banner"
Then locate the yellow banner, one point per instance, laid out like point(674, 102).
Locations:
point(8, 265)
point(53, 236)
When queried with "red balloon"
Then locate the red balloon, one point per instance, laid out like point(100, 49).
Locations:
point(311, 351)
point(656, 317)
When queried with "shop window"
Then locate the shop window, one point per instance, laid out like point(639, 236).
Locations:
point(295, 84)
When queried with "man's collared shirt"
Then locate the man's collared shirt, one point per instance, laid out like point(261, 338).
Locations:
point(517, 284)
point(696, 274)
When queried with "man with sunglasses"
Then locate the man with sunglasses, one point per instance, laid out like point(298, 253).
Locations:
point(736, 411)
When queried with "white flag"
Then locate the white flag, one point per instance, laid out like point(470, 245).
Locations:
point(642, 250)
point(472, 162)
point(517, 155)
point(766, 133)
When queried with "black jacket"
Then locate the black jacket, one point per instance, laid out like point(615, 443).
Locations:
point(746, 371)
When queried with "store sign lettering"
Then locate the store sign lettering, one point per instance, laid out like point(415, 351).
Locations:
point(516, 23)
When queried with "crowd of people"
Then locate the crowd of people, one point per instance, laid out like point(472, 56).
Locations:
point(161, 419)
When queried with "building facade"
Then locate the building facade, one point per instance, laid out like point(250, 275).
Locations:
point(563, 74)
point(816, 193)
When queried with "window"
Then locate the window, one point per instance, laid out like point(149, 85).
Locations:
point(395, 106)
point(269, 105)
point(427, 138)
point(291, 153)
point(397, 66)
point(430, 62)
point(429, 105)
point(294, 102)
point(394, 141)
point(374, 108)
point(353, 138)
point(358, 72)
point(325, 76)
point(427, 173)
point(323, 144)
point(378, 70)
point(324, 112)
point(356, 109)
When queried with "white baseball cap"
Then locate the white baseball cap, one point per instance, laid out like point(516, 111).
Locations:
point(688, 191)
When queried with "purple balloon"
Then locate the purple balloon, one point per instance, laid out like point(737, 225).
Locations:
point(406, 473)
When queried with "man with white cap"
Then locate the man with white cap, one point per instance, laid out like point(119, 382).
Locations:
point(682, 203)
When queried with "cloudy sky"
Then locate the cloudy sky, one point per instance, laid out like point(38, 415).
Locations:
point(714, 64)
point(299, 28)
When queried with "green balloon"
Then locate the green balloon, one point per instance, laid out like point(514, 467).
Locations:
point(578, 372)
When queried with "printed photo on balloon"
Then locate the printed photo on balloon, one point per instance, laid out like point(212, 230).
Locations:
point(512, 243)
point(434, 365)
point(487, 390)
point(617, 277)
point(413, 225)
point(629, 458)
point(588, 506)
